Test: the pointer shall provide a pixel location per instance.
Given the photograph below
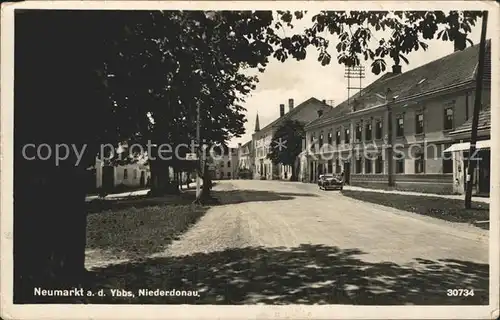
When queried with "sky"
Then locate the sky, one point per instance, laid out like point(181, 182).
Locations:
point(304, 79)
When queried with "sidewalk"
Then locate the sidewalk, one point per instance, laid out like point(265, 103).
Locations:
point(410, 193)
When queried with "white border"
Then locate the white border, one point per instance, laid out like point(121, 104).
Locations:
point(10, 311)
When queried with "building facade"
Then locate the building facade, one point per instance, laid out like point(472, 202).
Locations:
point(460, 155)
point(226, 165)
point(246, 164)
point(396, 131)
point(305, 112)
point(110, 177)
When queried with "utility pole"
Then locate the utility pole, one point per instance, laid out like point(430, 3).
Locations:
point(475, 117)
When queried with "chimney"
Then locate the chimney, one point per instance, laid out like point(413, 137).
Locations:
point(389, 96)
point(282, 110)
point(290, 104)
point(320, 113)
point(324, 101)
point(396, 69)
point(239, 145)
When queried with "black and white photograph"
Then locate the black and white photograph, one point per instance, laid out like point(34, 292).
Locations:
point(238, 160)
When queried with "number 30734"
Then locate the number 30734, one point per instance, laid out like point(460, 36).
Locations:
point(460, 292)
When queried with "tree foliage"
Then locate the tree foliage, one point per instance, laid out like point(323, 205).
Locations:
point(356, 32)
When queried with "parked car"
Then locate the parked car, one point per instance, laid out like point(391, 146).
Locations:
point(330, 181)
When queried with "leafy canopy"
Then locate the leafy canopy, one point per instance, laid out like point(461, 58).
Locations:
point(152, 69)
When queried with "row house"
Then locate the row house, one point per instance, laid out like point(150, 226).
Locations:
point(401, 129)
point(305, 112)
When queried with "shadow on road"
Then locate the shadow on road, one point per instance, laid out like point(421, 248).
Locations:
point(221, 197)
point(308, 274)
point(240, 196)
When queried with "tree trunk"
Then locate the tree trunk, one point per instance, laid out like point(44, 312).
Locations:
point(205, 196)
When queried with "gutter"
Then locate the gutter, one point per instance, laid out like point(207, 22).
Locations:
point(394, 104)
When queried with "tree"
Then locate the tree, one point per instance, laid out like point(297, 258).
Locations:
point(286, 145)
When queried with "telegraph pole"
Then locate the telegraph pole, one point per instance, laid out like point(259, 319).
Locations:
point(475, 117)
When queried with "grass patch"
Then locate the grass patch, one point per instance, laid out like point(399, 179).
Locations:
point(446, 209)
point(140, 228)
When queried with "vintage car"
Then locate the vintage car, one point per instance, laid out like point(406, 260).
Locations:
point(330, 181)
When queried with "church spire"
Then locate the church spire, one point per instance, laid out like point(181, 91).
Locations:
point(257, 125)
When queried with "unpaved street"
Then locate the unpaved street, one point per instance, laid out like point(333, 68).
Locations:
point(277, 242)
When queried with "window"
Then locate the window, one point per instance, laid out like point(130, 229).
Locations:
point(321, 139)
point(358, 132)
point(337, 137)
point(400, 166)
point(419, 162)
point(330, 166)
point(229, 174)
point(378, 129)
point(125, 174)
point(330, 138)
point(135, 174)
point(368, 132)
point(347, 137)
point(313, 137)
point(379, 164)
point(229, 164)
point(447, 160)
point(368, 165)
point(222, 164)
point(419, 123)
point(400, 126)
point(358, 165)
point(448, 118)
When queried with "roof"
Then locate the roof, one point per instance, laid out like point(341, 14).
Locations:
point(295, 110)
point(484, 121)
point(456, 68)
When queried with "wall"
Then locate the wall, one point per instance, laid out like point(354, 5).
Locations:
point(434, 139)
point(225, 171)
point(133, 175)
point(98, 171)
point(429, 183)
